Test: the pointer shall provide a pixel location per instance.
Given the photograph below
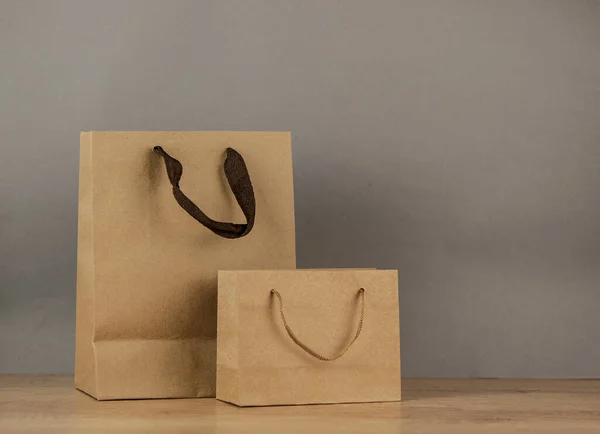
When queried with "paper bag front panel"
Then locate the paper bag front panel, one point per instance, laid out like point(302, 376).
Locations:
point(323, 309)
point(155, 268)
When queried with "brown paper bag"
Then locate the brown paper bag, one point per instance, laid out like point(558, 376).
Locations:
point(308, 337)
point(148, 254)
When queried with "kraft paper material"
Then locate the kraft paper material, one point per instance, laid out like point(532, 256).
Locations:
point(147, 271)
point(259, 364)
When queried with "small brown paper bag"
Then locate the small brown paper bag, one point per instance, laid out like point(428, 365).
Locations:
point(308, 337)
point(148, 253)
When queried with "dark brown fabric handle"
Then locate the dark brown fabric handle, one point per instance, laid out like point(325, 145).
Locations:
point(241, 186)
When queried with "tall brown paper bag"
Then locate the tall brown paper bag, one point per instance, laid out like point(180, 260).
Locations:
point(308, 337)
point(147, 270)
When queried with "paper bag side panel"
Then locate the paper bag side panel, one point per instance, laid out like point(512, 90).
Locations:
point(227, 338)
point(85, 362)
point(396, 381)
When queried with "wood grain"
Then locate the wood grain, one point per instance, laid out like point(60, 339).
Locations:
point(49, 404)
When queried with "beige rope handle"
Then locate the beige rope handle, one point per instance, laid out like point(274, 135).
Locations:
point(302, 345)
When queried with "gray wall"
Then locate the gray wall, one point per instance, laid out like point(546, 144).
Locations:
point(458, 141)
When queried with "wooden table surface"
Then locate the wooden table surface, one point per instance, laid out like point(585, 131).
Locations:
point(49, 404)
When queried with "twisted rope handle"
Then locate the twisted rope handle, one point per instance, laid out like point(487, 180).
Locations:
point(302, 345)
